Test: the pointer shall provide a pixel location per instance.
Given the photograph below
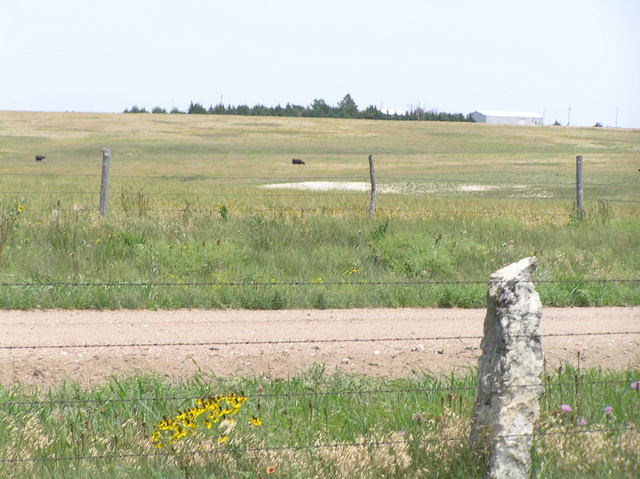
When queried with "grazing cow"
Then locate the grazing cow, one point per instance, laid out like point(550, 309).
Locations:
point(296, 161)
point(40, 157)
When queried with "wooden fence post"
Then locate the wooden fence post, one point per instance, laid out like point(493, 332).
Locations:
point(104, 182)
point(579, 203)
point(372, 174)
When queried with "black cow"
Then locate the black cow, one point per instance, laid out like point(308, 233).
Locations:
point(40, 157)
point(296, 161)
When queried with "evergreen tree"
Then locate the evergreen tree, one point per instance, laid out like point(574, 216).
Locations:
point(243, 110)
point(196, 108)
point(372, 113)
point(320, 109)
point(136, 109)
point(261, 110)
point(219, 109)
point(347, 108)
point(293, 110)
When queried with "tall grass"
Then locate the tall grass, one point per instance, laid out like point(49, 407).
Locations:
point(191, 250)
point(315, 424)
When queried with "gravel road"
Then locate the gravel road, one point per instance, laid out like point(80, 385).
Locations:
point(384, 342)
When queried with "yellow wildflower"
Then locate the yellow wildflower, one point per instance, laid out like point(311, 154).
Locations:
point(255, 421)
point(185, 422)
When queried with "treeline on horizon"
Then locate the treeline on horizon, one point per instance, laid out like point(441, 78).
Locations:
point(346, 108)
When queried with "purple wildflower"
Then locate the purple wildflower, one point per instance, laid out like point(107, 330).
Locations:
point(635, 385)
point(582, 421)
point(608, 410)
point(565, 408)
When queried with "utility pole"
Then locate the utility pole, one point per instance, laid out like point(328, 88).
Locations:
point(569, 116)
point(616, 117)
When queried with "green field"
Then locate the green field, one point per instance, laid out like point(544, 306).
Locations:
point(188, 209)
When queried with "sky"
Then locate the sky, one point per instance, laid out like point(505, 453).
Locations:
point(543, 56)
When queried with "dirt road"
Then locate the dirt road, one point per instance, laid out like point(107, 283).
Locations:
point(389, 342)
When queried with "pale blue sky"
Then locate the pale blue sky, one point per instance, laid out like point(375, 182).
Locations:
point(453, 55)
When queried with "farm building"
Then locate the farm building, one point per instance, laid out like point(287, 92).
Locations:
point(507, 117)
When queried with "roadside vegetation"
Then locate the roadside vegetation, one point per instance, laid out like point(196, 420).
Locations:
point(315, 424)
point(186, 259)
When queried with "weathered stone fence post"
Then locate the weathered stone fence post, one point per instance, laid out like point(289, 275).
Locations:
point(509, 373)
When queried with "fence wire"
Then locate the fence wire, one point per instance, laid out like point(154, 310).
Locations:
point(300, 341)
point(298, 179)
point(259, 396)
point(125, 284)
point(313, 209)
point(301, 447)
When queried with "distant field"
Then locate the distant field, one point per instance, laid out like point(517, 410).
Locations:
point(197, 199)
point(209, 152)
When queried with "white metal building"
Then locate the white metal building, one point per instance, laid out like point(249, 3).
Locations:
point(507, 117)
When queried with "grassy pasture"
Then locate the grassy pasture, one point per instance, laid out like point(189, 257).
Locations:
point(204, 151)
point(187, 206)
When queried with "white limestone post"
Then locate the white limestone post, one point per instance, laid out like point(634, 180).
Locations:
point(509, 373)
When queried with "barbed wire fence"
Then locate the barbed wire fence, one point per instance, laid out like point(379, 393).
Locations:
point(224, 178)
point(113, 284)
point(9, 405)
point(147, 208)
point(258, 396)
point(337, 445)
point(301, 341)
